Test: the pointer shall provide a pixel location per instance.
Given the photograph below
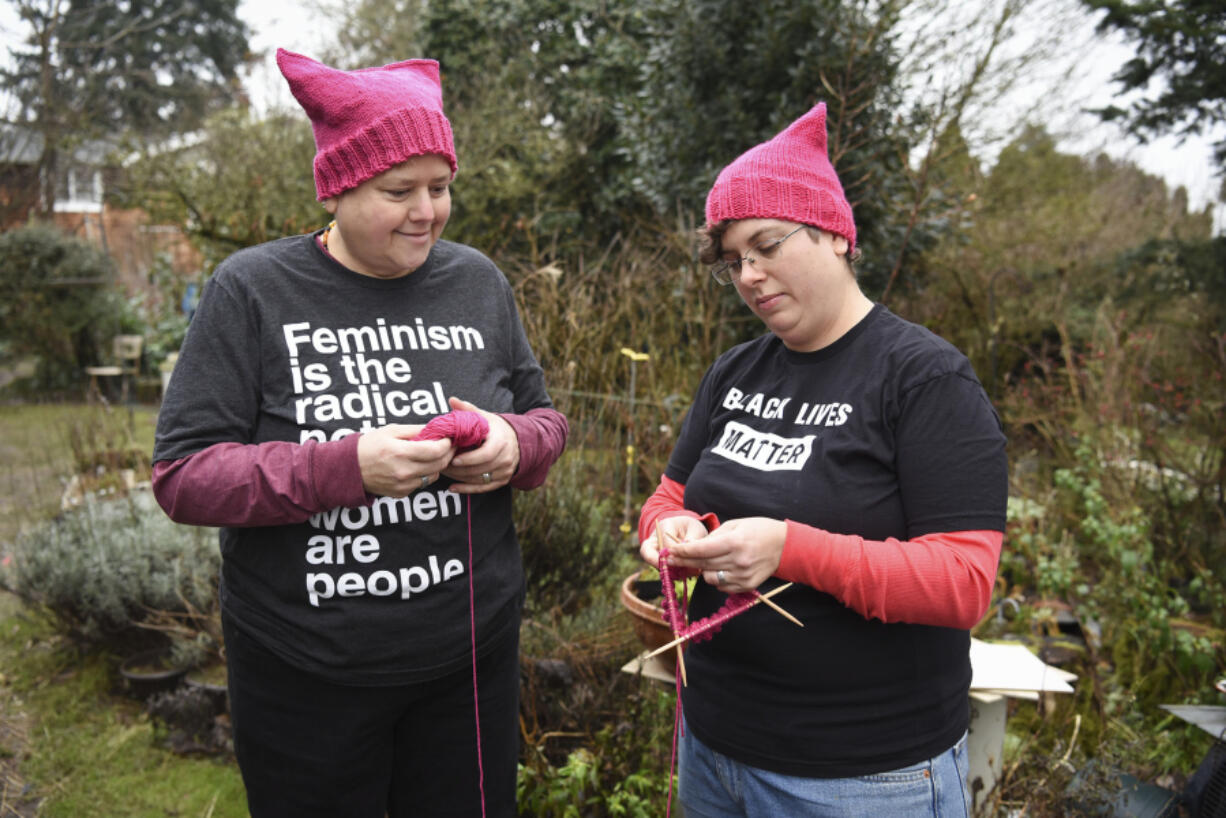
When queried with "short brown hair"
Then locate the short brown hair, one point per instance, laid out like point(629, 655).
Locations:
point(711, 240)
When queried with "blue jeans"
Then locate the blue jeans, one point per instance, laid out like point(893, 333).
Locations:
point(714, 786)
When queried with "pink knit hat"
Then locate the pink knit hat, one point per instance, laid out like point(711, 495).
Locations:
point(790, 178)
point(368, 120)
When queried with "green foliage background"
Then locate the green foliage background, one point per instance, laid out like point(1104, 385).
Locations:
point(58, 302)
point(1179, 44)
point(1090, 298)
point(89, 72)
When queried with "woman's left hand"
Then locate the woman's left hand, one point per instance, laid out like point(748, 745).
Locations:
point(736, 557)
point(491, 465)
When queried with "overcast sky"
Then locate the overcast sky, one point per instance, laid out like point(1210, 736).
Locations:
point(282, 23)
point(288, 24)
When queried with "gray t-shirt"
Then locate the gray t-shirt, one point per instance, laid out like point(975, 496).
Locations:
point(289, 345)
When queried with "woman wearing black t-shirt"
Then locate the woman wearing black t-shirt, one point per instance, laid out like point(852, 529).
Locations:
point(855, 455)
point(371, 584)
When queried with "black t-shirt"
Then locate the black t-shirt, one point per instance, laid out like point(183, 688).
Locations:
point(885, 433)
point(289, 345)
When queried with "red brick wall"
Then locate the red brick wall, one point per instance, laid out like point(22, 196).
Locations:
point(134, 244)
point(18, 188)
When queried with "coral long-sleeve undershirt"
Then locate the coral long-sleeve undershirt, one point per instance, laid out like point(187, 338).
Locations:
point(942, 579)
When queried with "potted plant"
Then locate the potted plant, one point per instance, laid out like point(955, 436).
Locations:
point(150, 671)
point(639, 594)
point(210, 682)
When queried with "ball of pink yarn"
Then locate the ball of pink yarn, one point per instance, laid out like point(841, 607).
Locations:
point(464, 428)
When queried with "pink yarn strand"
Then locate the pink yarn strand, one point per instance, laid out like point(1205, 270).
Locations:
point(675, 607)
point(466, 430)
point(672, 760)
point(668, 596)
point(674, 614)
point(472, 622)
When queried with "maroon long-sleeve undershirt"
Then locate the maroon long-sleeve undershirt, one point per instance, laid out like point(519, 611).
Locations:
point(277, 483)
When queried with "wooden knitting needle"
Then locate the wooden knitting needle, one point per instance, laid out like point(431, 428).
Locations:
point(779, 609)
point(685, 636)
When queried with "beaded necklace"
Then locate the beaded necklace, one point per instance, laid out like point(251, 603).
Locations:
point(323, 237)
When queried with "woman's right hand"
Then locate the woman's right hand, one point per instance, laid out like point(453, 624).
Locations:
point(394, 465)
point(680, 528)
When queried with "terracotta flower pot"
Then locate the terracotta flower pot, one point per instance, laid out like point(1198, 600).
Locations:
point(648, 617)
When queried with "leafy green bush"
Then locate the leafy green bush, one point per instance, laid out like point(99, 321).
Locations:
point(576, 789)
point(56, 302)
point(1137, 595)
point(568, 534)
point(109, 566)
point(163, 316)
point(1153, 624)
point(247, 180)
point(596, 741)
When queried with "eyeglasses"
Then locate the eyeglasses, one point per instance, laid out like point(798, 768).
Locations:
point(725, 272)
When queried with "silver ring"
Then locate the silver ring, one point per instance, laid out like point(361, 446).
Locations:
point(487, 477)
point(720, 577)
point(425, 480)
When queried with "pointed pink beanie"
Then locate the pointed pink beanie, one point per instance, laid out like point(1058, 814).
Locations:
point(368, 120)
point(789, 178)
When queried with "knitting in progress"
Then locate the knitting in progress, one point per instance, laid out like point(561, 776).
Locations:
point(674, 606)
point(705, 628)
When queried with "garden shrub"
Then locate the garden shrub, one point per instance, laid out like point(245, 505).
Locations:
point(596, 741)
point(104, 441)
point(568, 534)
point(106, 567)
point(1153, 626)
point(1135, 594)
point(163, 315)
point(57, 302)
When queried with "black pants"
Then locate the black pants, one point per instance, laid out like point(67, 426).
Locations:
point(309, 747)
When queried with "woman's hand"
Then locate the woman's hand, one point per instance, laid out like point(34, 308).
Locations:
point(671, 530)
point(742, 553)
point(395, 465)
point(491, 465)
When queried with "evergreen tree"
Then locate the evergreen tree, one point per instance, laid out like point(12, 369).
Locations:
point(1037, 250)
point(533, 88)
point(1182, 45)
point(94, 69)
point(58, 302)
point(721, 76)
